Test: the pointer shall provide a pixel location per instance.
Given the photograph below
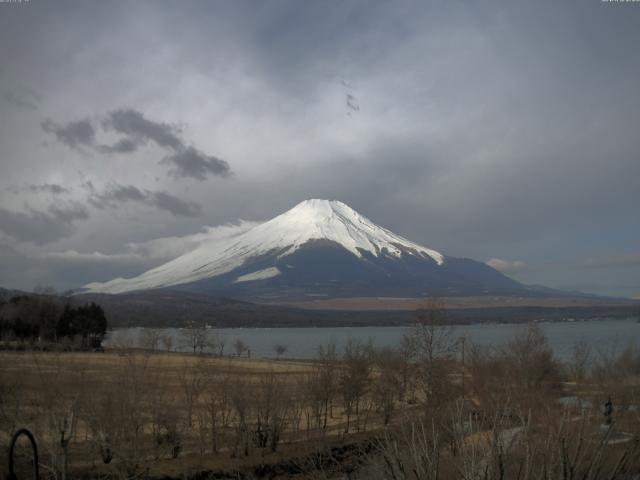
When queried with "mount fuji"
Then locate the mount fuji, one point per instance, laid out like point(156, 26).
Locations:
point(319, 248)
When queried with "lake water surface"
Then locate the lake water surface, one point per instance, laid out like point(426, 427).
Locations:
point(603, 335)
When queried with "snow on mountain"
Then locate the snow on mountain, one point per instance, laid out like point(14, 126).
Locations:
point(259, 275)
point(283, 235)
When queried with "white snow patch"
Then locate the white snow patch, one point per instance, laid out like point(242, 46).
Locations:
point(259, 275)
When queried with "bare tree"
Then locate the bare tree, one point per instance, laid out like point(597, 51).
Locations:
point(488, 377)
point(407, 352)
point(280, 350)
point(616, 371)
point(433, 345)
point(167, 342)
point(192, 382)
point(128, 416)
point(195, 336)
point(240, 347)
point(519, 376)
point(218, 406)
point(217, 344)
point(240, 398)
point(530, 357)
point(161, 419)
point(579, 362)
point(149, 339)
point(270, 410)
point(221, 344)
point(321, 384)
point(354, 380)
point(61, 409)
point(564, 448)
point(387, 383)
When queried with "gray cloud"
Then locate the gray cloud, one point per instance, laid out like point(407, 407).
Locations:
point(195, 164)
point(88, 186)
point(18, 270)
point(186, 161)
point(173, 204)
point(23, 97)
point(507, 266)
point(52, 188)
point(79, 133)
point(154, 251)
point(71, 268)
point(134, 124)
point(124, 145)
point(42, 227)
point(69, 212)
point(116, 194)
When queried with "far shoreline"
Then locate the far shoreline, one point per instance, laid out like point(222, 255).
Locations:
point(298, 318)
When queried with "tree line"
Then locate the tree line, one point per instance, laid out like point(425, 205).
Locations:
point(41, 319)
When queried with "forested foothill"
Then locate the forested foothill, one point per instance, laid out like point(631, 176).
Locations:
point(172, 308)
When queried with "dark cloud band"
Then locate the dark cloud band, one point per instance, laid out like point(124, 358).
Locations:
point(185, 161)
point(76, 134)
point(195, 164)
point(133, 124)
point(52, 188)
point(117, 194)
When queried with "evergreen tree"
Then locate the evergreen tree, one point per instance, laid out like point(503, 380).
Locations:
point(65, 326)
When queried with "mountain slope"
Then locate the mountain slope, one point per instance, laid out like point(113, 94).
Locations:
point(323, 248)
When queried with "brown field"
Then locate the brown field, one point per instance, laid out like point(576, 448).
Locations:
point(163, 394)
point(399, 304)
point(132, 414)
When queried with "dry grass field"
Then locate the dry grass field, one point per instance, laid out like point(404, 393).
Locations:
point(172, 413)
point(366, 413)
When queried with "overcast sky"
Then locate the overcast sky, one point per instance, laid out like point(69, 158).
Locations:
point(506, 132)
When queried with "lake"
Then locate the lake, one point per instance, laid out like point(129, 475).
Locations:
point(602, 335)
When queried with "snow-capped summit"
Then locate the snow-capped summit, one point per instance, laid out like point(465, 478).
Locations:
point(319, 245)
point(332, 220)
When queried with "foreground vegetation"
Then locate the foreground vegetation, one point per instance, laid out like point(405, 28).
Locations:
point(413, 412)
point(48, 321)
